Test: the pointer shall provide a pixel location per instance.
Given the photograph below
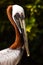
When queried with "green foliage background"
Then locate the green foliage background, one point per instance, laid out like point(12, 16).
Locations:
point(34, 26)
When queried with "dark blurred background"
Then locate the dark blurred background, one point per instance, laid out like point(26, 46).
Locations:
point(34, 27)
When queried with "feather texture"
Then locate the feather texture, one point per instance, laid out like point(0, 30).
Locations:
point(10, 57)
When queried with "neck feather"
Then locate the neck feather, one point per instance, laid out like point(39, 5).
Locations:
point(17, 42)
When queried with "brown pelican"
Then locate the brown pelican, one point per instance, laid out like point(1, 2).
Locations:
point(13, 54)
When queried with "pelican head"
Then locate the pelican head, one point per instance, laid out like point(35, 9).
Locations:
point(19, 18)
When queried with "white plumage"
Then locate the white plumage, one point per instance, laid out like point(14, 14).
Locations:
point(17, 9)
point(10, 57)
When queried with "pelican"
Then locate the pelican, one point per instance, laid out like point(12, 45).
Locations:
point(13, 54)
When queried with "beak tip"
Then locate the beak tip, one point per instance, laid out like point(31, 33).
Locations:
point(28, 55)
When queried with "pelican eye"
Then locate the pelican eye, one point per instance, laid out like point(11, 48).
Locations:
point(17, 16)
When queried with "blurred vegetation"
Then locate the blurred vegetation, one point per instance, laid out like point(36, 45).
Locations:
point(34, 26)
